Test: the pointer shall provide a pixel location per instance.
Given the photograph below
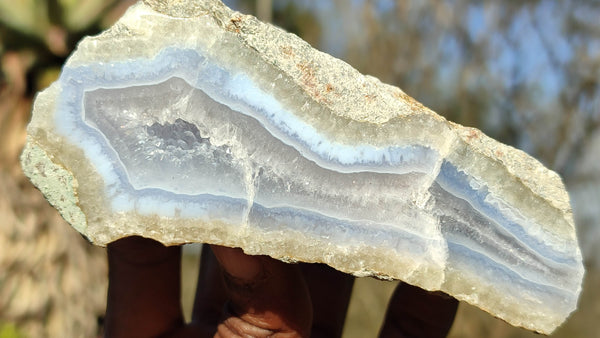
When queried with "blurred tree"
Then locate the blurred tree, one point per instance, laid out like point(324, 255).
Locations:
point(264, 10)
point(521, 71)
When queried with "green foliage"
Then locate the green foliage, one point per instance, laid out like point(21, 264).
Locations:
point(44, 32)
point(9, 330)
point(35, 17)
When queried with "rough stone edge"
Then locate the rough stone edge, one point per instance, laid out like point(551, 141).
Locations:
point(55, 182)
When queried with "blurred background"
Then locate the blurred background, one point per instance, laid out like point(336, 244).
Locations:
point(525, 72)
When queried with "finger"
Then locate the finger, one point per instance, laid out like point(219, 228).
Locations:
point(211, 294)
point(234, 326)
point(144, 288)
point(330, 292)
point(414, 312)
point(265, 294)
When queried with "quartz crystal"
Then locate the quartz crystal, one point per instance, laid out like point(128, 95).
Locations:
point(188, 122)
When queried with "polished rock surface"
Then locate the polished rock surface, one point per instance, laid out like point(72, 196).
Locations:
point(188, 122)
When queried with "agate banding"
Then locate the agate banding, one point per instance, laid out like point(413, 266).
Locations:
point(188, 122)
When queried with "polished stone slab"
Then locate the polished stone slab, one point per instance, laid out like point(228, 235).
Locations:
point(188, 122)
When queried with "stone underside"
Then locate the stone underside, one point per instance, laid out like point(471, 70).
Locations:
point(187, 122)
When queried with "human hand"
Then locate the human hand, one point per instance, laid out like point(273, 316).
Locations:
point(241, 295)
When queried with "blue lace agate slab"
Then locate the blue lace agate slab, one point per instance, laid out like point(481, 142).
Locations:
point(187, 122)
